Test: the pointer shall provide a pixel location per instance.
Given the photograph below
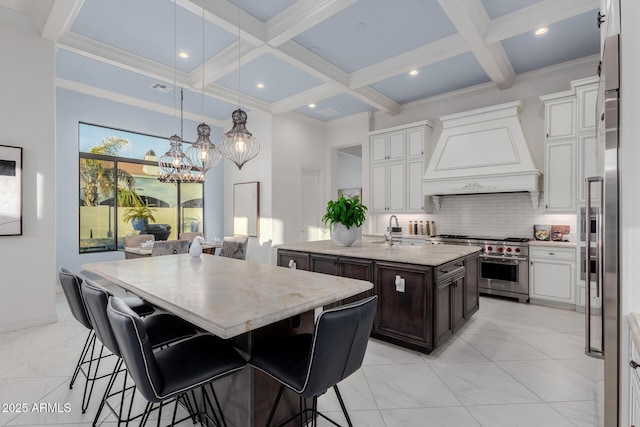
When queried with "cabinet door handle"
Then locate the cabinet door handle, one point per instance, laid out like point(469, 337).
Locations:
point(633, 364)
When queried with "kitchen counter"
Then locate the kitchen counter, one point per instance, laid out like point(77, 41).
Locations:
point(428, 255)
point(552, 244)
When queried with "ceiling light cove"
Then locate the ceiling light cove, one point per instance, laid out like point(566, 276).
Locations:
point(260, 85)
point(183, 55)
point(541, 31)
point(413, 73)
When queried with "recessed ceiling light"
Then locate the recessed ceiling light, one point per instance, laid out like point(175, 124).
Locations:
point(184, 55)
point(541, 31)
point(312, 105)
point(260, 86)
point(413, 72)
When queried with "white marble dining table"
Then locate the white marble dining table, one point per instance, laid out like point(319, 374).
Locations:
point(226, 296)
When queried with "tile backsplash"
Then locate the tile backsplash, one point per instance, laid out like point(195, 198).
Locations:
point(492, 215)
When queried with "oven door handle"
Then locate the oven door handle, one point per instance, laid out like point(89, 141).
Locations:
point(499, 258)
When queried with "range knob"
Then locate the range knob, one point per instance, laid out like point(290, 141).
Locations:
point(517, 250)
point(508, 249)
point(500, 249)
point(489, 248)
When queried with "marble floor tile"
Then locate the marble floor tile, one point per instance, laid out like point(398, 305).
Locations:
point(551, 380)
point(505, 348)
point(555, 345)
point(358, 418)
point(382, 353)
point(582, 414)
point(589, 367)
point(355, 392)
point(407, 386)
point(433, 417)
point(482, 384)
point(518, 415)
point(455, 351)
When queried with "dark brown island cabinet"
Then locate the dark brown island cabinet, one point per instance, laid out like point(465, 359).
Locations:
point(419, 306)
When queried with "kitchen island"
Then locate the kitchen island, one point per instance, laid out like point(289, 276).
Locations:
point(425, 292)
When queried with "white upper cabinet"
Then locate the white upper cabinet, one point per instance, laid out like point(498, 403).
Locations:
point(560, 118)
point(396, 168)
point(560, 176)
point(587, 97)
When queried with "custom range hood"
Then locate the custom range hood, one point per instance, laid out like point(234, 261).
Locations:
point(482, 151)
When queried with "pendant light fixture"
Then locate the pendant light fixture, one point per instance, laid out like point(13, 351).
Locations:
point(174, 165)
point(238, 144)
point(203, 154)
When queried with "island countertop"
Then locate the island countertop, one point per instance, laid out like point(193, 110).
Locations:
point(428, 255)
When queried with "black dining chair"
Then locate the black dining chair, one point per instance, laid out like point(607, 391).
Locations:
point(310, 364)
point(163, 329)
point(170, 374)
point(70, 284)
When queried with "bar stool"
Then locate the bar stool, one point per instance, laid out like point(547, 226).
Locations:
point(169, 374)
point(310, 364)
point(70, 284)
point(163, 329)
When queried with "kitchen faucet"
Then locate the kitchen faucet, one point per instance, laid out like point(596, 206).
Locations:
point(391, 231)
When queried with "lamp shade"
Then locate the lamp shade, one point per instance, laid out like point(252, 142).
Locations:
point(238, 144)
point(203, 154)
point(174, 165)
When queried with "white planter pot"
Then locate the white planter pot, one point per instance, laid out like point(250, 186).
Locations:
point(343, 236)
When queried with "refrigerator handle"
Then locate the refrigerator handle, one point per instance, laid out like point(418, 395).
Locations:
point(589, 351)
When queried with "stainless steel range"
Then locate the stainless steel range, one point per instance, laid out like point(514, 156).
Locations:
point(504, 263)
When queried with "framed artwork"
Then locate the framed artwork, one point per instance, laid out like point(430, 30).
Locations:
point(246, 208)
point(350, 192)
point(10, 191)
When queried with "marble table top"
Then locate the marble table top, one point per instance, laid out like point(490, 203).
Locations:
point(226, 296)
point(429, 255)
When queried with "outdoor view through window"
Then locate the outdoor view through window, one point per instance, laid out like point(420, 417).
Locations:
point(120, 193)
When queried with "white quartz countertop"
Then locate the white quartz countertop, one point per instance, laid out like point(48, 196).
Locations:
point(226, 296)
point(429, 255)
point(552, 244)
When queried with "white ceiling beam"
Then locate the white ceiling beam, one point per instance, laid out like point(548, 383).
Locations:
point(535, 16)
point(228, 16)
point(226, 62)
point(231, 96)
point(301, 16)
point(60, 18)
point(305, 98)
point(117, 57)
point(313, 64)
point(130, 100)
point(471, 20)
point(431, 53)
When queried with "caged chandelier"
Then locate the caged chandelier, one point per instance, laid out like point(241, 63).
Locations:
point(238, 144)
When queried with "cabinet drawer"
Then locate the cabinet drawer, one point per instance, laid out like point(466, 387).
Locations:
point(552, 253)
point(300, 260)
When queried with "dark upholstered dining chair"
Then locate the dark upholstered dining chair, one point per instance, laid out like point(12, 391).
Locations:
point(170, 374)
point(71, 287)
point(309, 364)
point(163, 329)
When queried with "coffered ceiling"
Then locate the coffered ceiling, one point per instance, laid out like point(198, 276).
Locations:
point(343, 56)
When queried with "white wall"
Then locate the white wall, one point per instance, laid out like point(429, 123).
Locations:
point(349, 171)
point(72, 108)
point(297, 144)
point(27, 114)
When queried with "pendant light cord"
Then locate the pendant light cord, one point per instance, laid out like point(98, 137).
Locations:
point(175, 64)
point(203, 60)
point(239, 92)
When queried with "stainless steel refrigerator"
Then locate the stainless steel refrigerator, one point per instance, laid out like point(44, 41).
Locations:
point(600, 222)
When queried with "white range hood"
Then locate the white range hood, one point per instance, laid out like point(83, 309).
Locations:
point(482, 151)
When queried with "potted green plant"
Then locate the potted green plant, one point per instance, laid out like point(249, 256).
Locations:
point(139, 216)
point(345, 216)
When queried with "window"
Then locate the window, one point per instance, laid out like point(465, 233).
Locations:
point(118, 185)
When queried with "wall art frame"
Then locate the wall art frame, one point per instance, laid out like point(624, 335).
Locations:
point(10, 190)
